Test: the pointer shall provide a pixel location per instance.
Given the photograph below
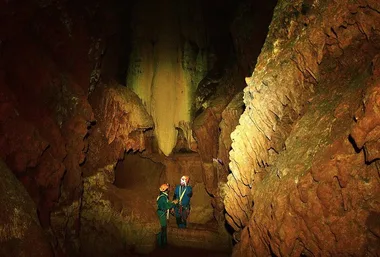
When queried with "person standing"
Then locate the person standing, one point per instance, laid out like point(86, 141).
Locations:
point(182, 193)
point(163, 207)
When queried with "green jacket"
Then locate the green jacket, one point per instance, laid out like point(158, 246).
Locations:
point(163, 204)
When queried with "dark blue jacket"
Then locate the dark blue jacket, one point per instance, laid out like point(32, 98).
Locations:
point(185, 201)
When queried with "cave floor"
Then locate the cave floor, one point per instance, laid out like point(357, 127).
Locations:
point(197, 240)
point(186, 252)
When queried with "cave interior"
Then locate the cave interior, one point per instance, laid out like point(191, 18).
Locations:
point(272, 108)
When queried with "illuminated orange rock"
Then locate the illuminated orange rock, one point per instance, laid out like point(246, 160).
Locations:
point(300, 185)
point(111, 209)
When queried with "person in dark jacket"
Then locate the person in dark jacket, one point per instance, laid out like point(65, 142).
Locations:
point(163, 207)
point(182, 193)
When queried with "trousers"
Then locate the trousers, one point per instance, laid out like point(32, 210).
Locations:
point(162, 237)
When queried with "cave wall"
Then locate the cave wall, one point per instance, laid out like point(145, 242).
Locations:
point(133, 172)
point(45, 114)
point(54, 137)
point(210, 132)
point(115, 220)
point(249, 30)
point(20, 231)
point(219, 100)
point(304, 175)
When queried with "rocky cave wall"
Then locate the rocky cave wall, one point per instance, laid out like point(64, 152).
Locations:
point(44, 109)
point(221, 109)
point(304, 158)
point(20, 230)
point(66, 123)
point(62, 131)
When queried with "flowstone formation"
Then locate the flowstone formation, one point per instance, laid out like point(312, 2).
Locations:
point(168, 60)
point(305, 177)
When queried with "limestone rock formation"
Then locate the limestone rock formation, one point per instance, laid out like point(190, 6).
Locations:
point(20, 231)
point(114, 221)
point(206, 126)
point(46, 60)
point(45, 113)
point(300, 184)
point(171, 55)
point(230, 119)
point(249, 30)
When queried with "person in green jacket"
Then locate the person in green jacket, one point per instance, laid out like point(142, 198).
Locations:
point(163, 207)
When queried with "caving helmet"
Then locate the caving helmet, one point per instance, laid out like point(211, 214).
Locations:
point(164, 187)
point(184, 180)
